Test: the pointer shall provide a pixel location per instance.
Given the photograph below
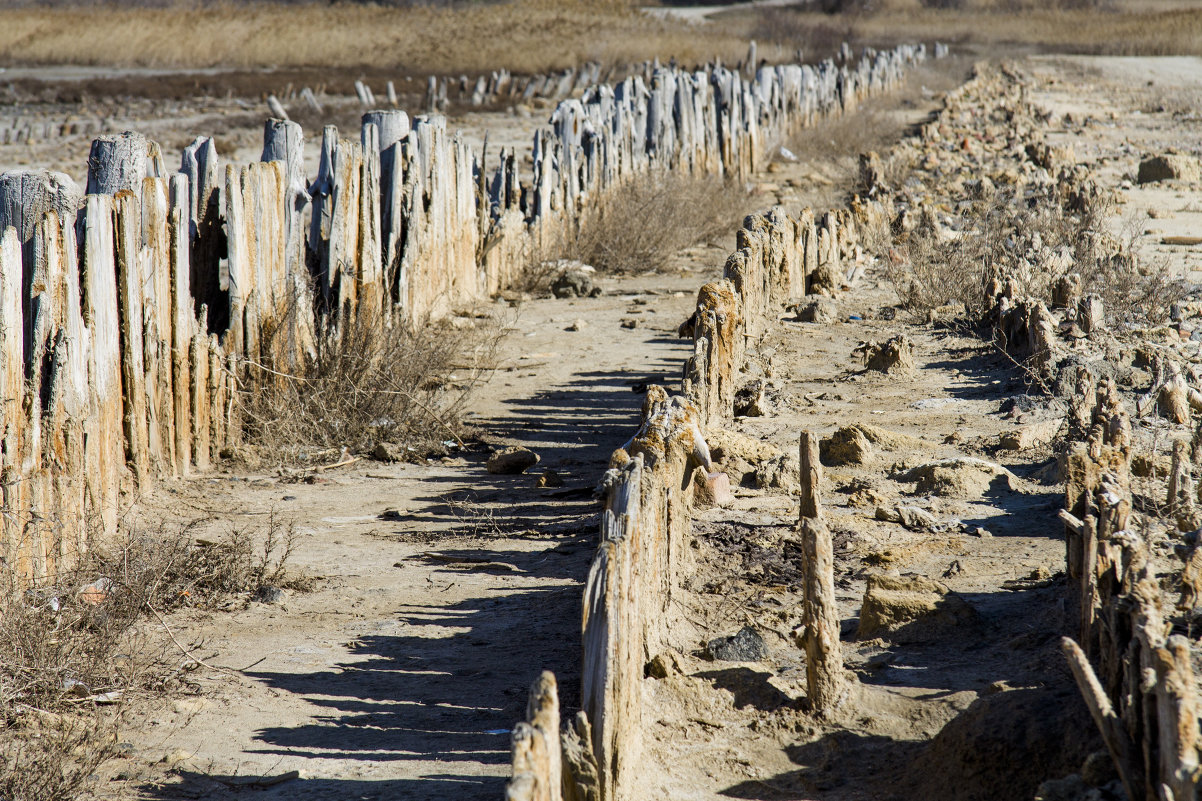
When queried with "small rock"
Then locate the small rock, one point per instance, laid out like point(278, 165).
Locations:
point(912, 517)
point(1029, 436)
point(848, 445)
point(549, 479)
point(388, 452)
point(659, 667)
point(1169, 167)
point(745, 646)
point(711, 489)
point(577, 325)
point(630, 322)
point(511, 460)
point(575, 282)
point(964, 477)
point(174, 757)
point(894, 356)
point(750, 400)
point(268, 594)
point(818, 310)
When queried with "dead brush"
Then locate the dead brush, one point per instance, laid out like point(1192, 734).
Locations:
point(78, 647)
point(641, 224)
point(370, 381)
point(1034, 242)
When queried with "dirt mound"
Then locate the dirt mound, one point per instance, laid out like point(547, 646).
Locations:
point(1004, 745)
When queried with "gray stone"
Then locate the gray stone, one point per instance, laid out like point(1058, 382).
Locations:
point(269, 594)
point(745, 646)
point(575, 282)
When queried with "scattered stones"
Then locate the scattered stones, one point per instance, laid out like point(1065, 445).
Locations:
point(910, 608)
point(514, 459)
point(1169, 167)
point(895, 356)
point(745, 646)
point(576, 281)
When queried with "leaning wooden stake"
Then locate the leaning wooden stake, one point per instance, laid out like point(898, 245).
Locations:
point(819, 633)
point(1113, 732)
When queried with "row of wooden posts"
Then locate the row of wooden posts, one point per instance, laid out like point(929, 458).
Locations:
point(134, 311)
point(1136, 677)
point(643, 556)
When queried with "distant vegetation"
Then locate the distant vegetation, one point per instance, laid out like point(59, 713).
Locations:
point(467, 36)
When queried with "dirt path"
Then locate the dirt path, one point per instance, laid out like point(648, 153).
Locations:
point(401, 676)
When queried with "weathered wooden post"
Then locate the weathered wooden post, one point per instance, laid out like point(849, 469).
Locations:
point(819, 633)
point(118, 162)
point(27, 195)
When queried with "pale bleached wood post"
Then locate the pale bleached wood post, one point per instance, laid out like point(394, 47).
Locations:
point(104, 451)
point(12, 393)
point(819, 634)
point(129, 304)
point(183, 324)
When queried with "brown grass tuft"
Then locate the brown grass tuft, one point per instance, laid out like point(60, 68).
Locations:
point(372, 382)
point(641, 224)
point(77, 648)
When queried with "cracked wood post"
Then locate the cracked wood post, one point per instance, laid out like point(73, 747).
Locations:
point(537, 754)
point(103, 455)
point(12, 393)
point(819, 635)
point(1177, 718)
point(129, 306)
point(118, 162)
point(1114, 734)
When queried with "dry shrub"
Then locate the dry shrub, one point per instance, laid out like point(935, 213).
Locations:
point(639, 225)
point(76, 648)
point(371, 382)
point(1033, 241)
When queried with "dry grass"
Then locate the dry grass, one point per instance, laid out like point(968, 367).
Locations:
point(642, 223)
point(78, 649)
point(523, 36)
point(1034, 242)
point(371, 383)
point(528, 36)
point(1076, 26)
